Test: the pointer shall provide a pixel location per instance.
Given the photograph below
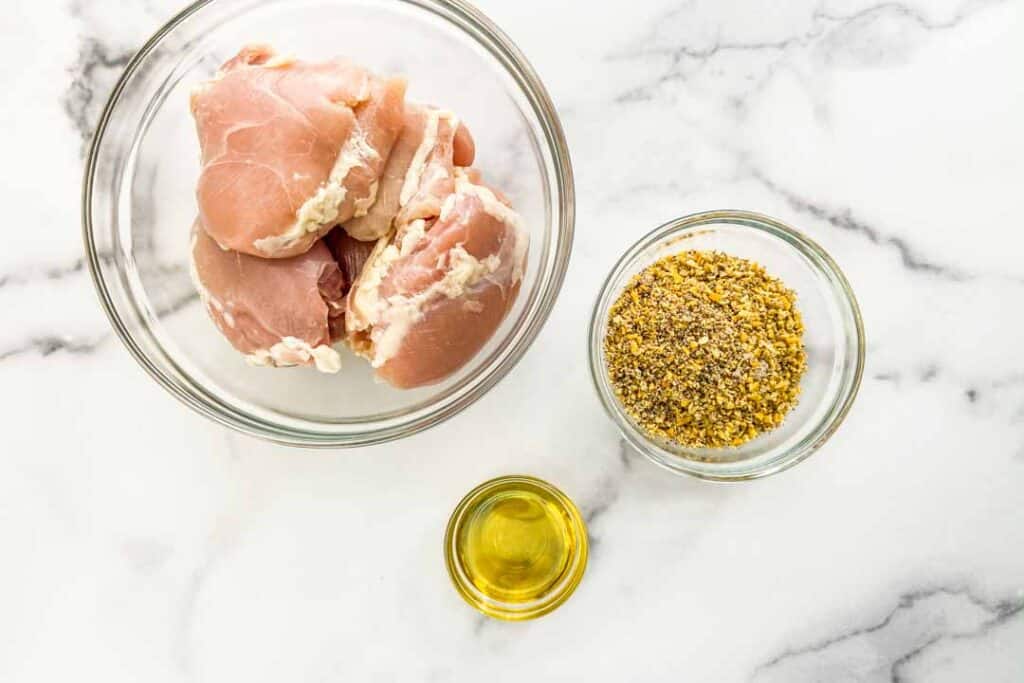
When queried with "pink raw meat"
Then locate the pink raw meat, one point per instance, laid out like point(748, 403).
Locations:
point(290, 148)
point(430, 298)
point(418, 174)
point(276, 311)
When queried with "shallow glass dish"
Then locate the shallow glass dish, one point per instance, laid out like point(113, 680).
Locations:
point(833, 338)
point(138, 204)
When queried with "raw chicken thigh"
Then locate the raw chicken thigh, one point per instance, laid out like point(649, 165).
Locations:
point(290, 148)
point(332, 211)
point(431, 143)
point(428, 300)
point(431, 176)
point(276, 311)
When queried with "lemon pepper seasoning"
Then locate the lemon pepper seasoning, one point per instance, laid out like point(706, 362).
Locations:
point(705, 349)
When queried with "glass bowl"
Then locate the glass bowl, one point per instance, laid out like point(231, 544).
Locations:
point(506, 544)
point(833, 338)
point(138, 204)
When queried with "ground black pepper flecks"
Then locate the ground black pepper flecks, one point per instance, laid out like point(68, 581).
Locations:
point(705, 349)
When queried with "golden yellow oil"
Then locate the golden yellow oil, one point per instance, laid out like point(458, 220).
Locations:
point(516, 547)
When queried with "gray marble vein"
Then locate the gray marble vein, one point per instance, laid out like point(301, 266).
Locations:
point(915, 14)
point(608, 491)
point(592, 512)
point(602, 500)
point(480, 622)
point(653, 41)
point(177, 304)
point(51, 344)
point(846, 220)
point(997, 393)
point(880, 651)
point(30, 274)
point(92, 76)
point(679, 68)
point(626, 454)
point(683, 59)
point(174, 294)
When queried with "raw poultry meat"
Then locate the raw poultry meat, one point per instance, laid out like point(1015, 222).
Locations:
point(277, 312)
point(350, 253)
point(429, 299)
point(431, 144)
point(331, 211)
point(431, 175)
point(463, 147)
point(289, 148)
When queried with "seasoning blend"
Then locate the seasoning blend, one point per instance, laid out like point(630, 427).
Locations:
point(705, 350)
point(516, 547)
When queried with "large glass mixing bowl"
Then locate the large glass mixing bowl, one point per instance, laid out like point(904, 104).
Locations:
point(139, 203)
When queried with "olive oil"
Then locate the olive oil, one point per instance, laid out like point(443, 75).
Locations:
point(516, 547)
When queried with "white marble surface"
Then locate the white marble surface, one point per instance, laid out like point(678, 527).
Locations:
point(143, 543)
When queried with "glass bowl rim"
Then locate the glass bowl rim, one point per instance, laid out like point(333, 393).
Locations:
point(818, 259)
point(466, 18)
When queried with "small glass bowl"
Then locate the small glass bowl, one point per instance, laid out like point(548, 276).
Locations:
point(833, 338)
point(530, 604)
point(139, 204)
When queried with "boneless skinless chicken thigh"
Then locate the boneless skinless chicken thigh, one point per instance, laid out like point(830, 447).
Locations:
point(427, 303)
point(279, 312)
point(426, 133)
point(276, 311)
point(425, 262)
point(290, 148)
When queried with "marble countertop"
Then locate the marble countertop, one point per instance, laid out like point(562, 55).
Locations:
point(144, 543)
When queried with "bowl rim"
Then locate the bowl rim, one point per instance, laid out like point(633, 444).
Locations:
point(486, 34)
point(819, 259)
